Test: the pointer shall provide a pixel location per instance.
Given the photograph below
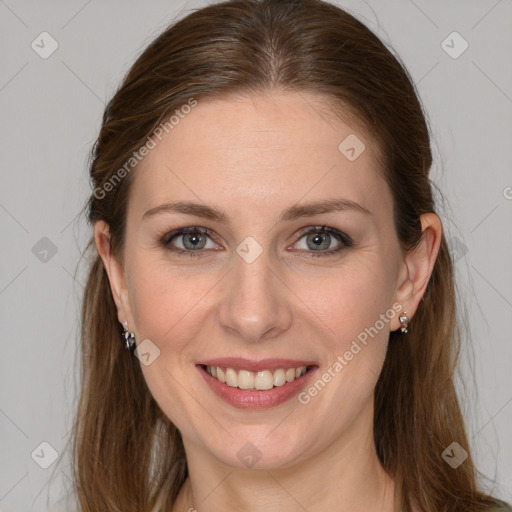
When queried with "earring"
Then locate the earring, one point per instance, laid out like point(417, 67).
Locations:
point(404, 320)
point(128, 337)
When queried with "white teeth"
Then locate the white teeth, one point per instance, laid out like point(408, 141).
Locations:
point(279, 377)
point(245, 379)
point(262, 380)
point(231, 378)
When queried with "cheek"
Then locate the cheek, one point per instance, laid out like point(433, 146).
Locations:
point(163, 302)
point(352, 315)
point(343, 302)
point(355, 329)
point(168, 310)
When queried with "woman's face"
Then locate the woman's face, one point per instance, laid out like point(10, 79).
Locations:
point(252, 288)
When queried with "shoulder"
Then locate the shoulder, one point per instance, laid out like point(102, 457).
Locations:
point(503, 507)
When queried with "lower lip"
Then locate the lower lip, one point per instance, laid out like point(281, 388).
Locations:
point(245, 399)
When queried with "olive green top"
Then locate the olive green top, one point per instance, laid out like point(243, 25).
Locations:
point(504, 507)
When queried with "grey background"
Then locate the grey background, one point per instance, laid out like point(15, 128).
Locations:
point(51, 111)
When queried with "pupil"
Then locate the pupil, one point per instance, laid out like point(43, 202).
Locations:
point(320, 240)
point(193, 241)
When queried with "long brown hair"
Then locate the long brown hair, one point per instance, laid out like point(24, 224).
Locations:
point(126, 452)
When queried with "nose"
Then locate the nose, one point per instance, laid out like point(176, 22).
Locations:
point(256, 304)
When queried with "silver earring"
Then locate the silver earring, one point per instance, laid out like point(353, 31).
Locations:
point(128, 337)
point(404, 320)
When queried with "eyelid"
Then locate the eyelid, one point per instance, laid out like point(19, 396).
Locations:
point(168, 236)
point(343, 238)
point(325, 229)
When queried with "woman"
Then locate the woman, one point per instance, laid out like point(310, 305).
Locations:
point(267, 250)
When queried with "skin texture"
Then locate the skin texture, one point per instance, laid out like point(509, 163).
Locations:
point(252, 158)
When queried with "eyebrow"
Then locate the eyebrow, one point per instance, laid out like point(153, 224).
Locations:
point(293, 212)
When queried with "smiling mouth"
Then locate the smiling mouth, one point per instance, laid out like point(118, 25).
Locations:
point(260, 381)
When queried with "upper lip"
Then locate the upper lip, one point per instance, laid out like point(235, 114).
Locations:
point(240, 363)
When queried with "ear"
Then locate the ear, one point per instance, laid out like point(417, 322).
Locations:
point(114, 271)
point(417, 266)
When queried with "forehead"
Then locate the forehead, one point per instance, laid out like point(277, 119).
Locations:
point(259, 153)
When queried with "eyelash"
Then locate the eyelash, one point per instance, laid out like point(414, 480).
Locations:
point(345, 240)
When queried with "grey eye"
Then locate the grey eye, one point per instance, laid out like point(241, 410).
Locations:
point(194, 240)
point(320, 241)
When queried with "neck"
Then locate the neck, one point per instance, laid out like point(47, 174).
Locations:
point(347, 477)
